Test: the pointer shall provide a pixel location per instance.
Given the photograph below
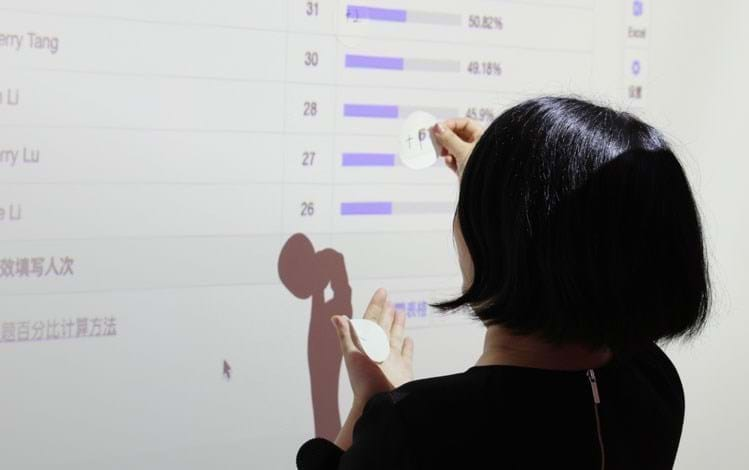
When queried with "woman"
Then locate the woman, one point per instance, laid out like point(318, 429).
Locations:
point(580, 246)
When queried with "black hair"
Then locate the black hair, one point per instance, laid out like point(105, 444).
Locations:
point(582, 227)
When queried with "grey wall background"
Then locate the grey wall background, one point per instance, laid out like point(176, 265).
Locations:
point(700, 97)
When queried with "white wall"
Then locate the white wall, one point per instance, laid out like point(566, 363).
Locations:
point(699, 56)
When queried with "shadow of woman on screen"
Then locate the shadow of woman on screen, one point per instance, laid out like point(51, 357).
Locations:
point(307, 273)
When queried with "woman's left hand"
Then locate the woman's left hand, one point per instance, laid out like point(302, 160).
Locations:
point(366, 376)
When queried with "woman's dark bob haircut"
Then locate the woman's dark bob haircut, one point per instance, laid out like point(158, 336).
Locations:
point(582, 228)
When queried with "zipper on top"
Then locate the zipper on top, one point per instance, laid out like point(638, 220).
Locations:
point(594, 386)
point(596, 401)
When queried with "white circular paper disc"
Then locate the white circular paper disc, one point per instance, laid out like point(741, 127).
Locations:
point(418, 149)
point(372, 339)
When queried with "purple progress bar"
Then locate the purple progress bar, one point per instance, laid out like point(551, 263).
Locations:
point(366, 208)
point(375, 14)
point(371, 110)
point(373, 62)
point(368, 159)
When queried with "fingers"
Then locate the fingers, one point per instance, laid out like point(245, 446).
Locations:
point(396, 331)
point(459, 148)
point(344, 330)
point(451, 163)
point(376, 305)
point(467, 129)
point(386, 317)
point(450, 140)
point(408, 349)
point(380, 310)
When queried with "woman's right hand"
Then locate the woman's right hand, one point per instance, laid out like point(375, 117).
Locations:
point(457, 137)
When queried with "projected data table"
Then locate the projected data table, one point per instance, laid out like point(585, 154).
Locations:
point(138, 125)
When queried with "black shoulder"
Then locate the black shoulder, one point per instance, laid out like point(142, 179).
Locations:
point(452, 397)
point(648, 378)
point(452, 385)
point(661, 372)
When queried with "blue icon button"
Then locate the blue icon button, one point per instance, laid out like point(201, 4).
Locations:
point(637, 8)
point(636, 67)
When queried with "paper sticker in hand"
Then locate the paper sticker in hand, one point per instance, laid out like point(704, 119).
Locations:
point(372, 339)
point(418, 148)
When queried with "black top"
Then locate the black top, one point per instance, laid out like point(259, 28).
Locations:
point(505, 417)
